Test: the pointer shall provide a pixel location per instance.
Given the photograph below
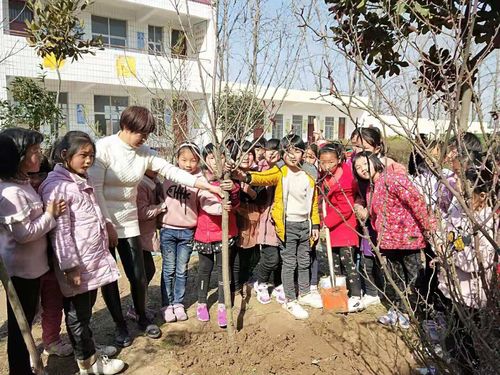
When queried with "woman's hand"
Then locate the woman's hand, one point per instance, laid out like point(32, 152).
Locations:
point(56, 208)
point(73, 276)
point(227, 185)
point(112, 235)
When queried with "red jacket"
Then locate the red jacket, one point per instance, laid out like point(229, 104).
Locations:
point(398, 213)
point(340, 217)
point(209, 225)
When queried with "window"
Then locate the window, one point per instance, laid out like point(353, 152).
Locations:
point(155, 39)
point(113, 32)
point(297, 125)
point(329, 126)
point(178, 43)
point(18, 14)
point(107, 112)
point(341, 127)
point(277, 131)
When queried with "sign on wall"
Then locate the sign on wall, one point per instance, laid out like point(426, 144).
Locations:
point(125, 66)
point(80, 114)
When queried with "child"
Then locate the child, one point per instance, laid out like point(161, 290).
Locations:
point(399, 216)
point(311, 154)
point(295, 214)
point(259, 149)
point(25, 223)
point(340, 189)
point(80, 242)
point(269, 262)
point(208, 236)
point(176, 235)
point(246, 253)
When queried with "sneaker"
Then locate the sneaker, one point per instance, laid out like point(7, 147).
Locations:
point(393, 318)
point(262, 293)
point(180, 312)
point(368, 300)
point(311, 299)
point(104, 366)
point(279, 294)
point(222, 316)
point(202, 312)
point(355, 304)
point(296, 310)
point(150, 329)
point(403, 320)
point(122, 337)
point(106, 350)
point(167, 312)
point(59, 348)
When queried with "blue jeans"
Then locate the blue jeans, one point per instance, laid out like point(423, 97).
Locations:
point(176, 248)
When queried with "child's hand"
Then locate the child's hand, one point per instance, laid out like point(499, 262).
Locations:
point(434, 262)
point(248, 190)
point(216, 190)
point(112, 235)
point(56, 208)
point(227, 185)
point(228, 167)
point(361, 212)
point(315, 235)
point(227, 207)
point(73, 276)
point(239, 175)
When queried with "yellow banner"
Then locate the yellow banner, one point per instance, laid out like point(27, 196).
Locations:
point(125, 66)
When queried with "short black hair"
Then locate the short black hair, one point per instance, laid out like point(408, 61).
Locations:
point(373, 158)
point(273, 144)
point(71, 143)
point(292, 140)
point(137, 119)
point(207, 150)
point(313, 147)
point(259, 142)
point(335, 148)
point(23, 139)
point(248, 148)
point(9, 155)
point(372, 136)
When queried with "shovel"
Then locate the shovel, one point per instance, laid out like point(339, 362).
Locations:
point(334, 298)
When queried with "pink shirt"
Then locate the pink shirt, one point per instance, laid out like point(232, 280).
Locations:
point(25, 223)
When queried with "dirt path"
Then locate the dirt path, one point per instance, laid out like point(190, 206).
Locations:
point(269, 341)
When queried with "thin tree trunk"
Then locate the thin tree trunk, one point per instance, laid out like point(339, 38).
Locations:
point(226, 269)
point(21, 318)
point(59, 81)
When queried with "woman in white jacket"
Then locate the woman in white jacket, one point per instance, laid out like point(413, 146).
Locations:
point(120, 163)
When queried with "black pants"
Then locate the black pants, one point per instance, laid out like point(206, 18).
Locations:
point(205, 268)
point(132, 257)
point(243, 262)
point(404, 266)
point(78, 311)
point(314, 266)
point(28, 291)
point(149, 266)
point(343, 263)
point(372, 275)
point(268, 263)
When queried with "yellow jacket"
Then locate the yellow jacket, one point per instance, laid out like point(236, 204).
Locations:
point(277, 176)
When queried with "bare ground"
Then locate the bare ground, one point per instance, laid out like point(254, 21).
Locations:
point(268, 341)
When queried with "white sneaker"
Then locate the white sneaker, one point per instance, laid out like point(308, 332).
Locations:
point(59, 348)
point(355, 304)
point(262, 293)
point(279, 294)
point(296, 310)
point(104, 366)
point(311, 299)
point(106, 350)
point(370, 300)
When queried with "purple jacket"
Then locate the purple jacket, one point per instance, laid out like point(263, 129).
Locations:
point(80, 238)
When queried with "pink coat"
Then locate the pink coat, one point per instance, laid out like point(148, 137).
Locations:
point(148, 210)
point(80, 238)
point(209, 227)
point(25, 224)
point(398, 213)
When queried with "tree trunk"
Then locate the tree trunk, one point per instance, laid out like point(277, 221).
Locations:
point(465, 104)
point(21, 319)
point(226, 269)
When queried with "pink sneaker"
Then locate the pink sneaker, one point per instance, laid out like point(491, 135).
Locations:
point(167, 312)
point(262, 293)
point(222, 316)
point(279, 294)
point(180, 312)
point(202, 312)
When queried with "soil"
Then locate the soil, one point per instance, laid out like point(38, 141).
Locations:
point(268, 340)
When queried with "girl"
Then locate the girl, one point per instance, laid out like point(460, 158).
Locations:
point(83, 262)
point(269, 262)
point(208, 237)
point(121, 161)
point(176, 235)
point(340, 191)
point(25, 223)
point(311, 154)
point(399, 216)
point(246, 252)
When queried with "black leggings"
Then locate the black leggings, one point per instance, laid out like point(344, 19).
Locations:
point(268, 263)
point(139, 268)
point(243, 263)
point(28, 291)
point(205, 268)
